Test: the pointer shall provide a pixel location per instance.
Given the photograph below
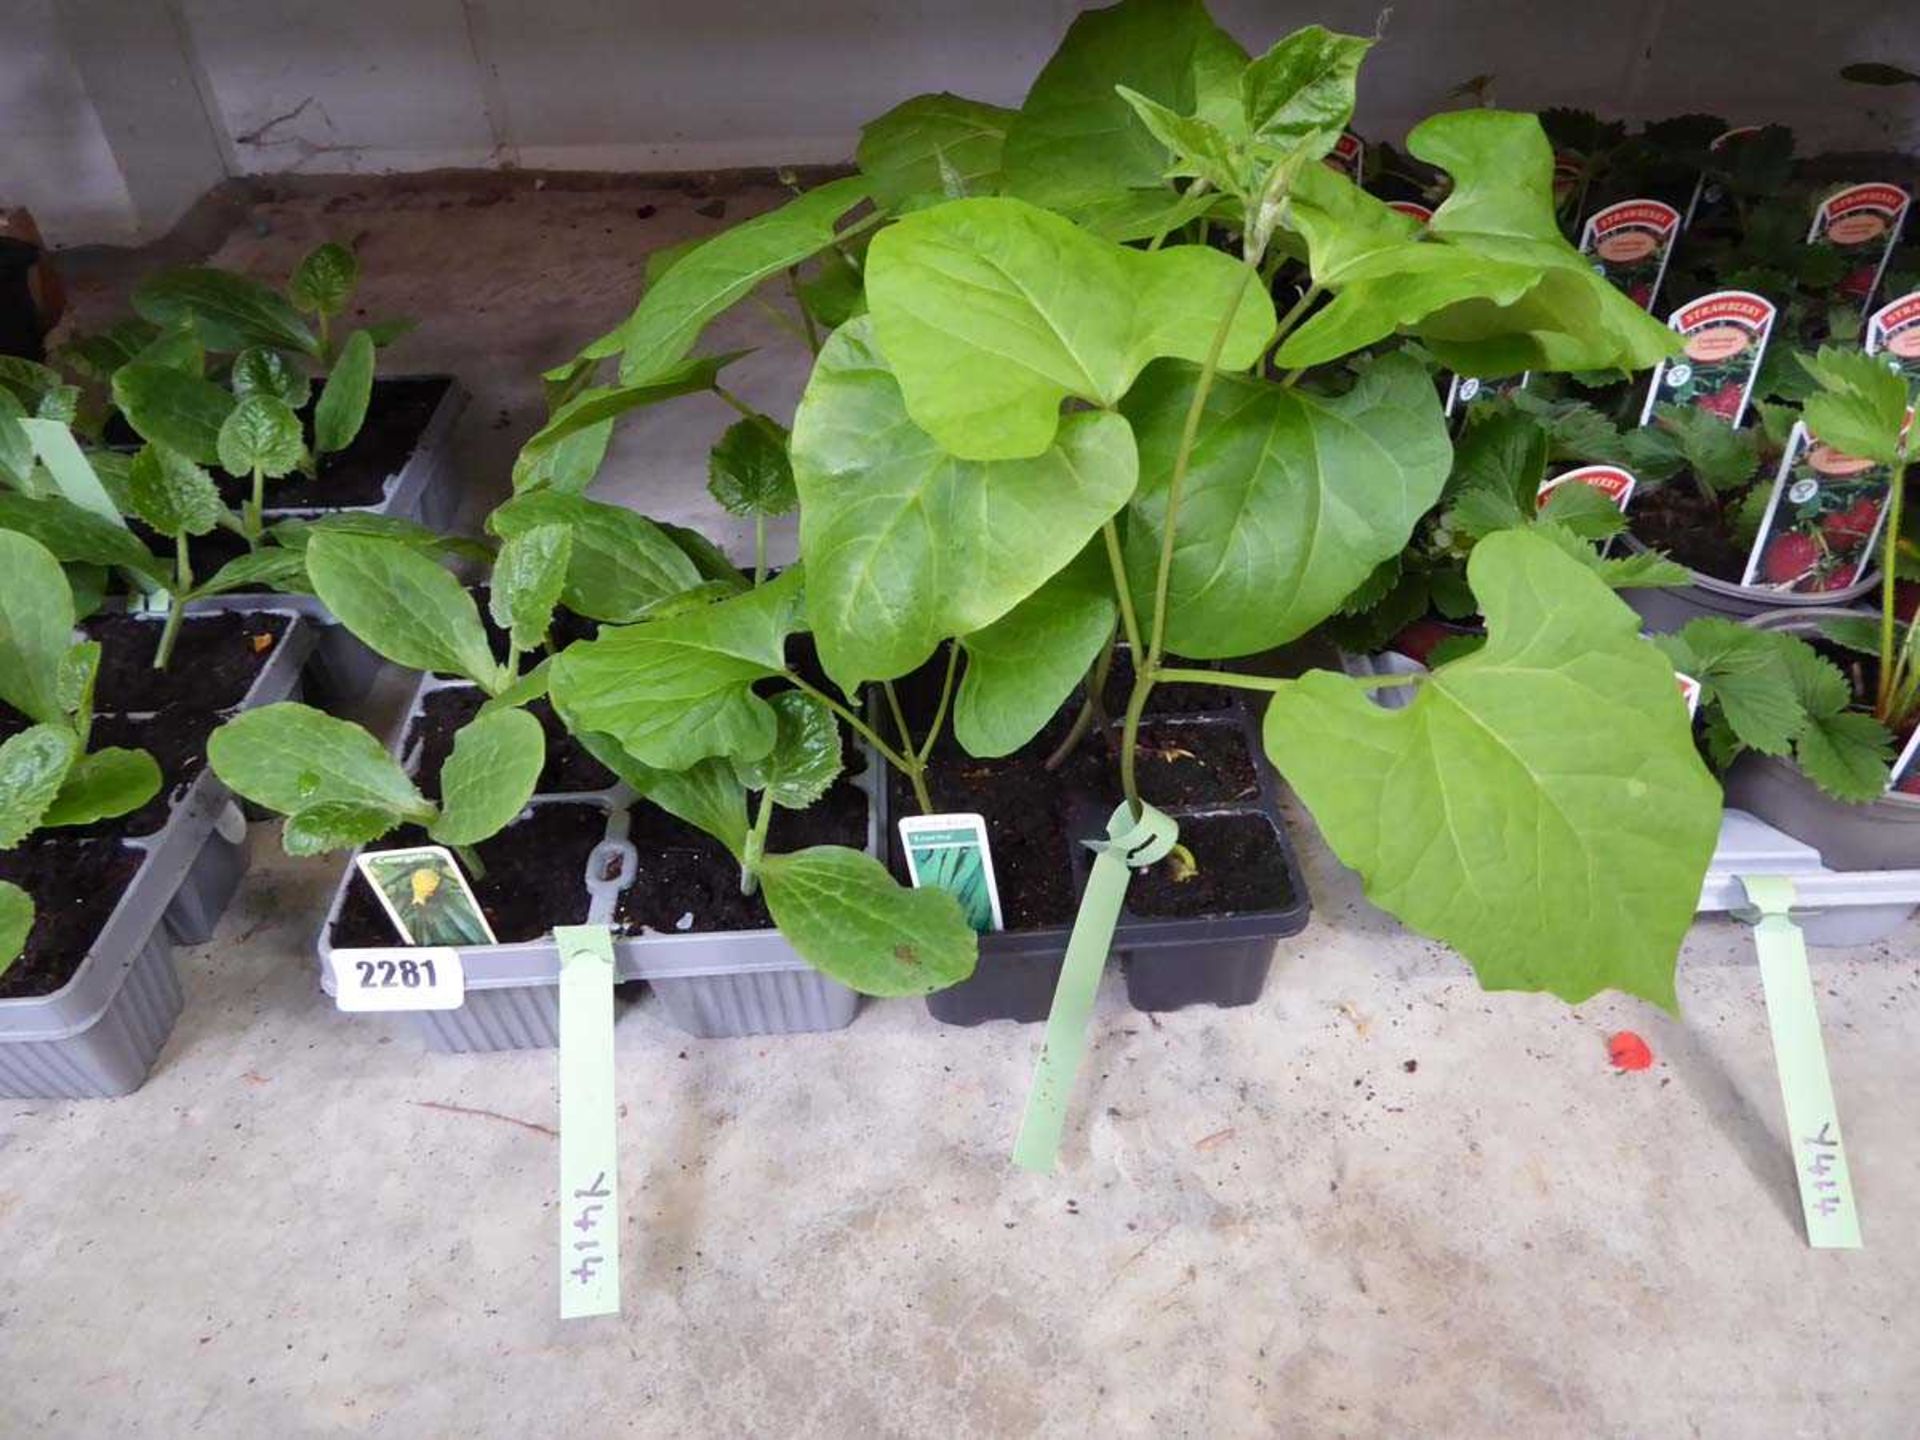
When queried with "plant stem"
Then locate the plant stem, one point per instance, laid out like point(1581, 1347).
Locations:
point(1889, 620)
point(256, 508)
point(326, 339)
point(176, 602)
point(940, 710)
point(1288, 321)
point(865, 731)
point(913, 766)
point(756, 844)
point(759, 548)
point(1090, 708)
point(1146, 670)
point(1117, 562)
point(806, 316)
point(470, 857)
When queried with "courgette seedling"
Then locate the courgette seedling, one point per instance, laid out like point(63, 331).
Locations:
point(48, 776)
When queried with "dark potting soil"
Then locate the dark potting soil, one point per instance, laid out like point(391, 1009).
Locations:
point(1194, 762)
point(74, 885)
point(567, 627)
point(1238, 869)
point(357, 475)
point(1691, 529)
point(176, 737)
point(533, 881)
point(687, 883)
point(215, 660)
point(569, 769)
point(1171, 698)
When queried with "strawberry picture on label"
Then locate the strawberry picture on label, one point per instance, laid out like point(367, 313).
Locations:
point(1629, 244)
point(1863, 223)
point(1894, 331)
point(1725, 338)
point(1348, 156)
point(1822, 521)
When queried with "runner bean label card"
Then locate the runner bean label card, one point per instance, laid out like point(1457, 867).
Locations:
point(1822, 520)
point(1863, 223)
point(1894, 331)
point(1630, 243)
point(425, 896)
point(950, 853)
point(1725, 336)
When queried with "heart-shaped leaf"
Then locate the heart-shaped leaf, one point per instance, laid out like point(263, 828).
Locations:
point(805, 758)
point(288, 757)
point(991, 312)
point(1538, 805)
point(260, 433)
point(403, 604)
point(855, 923)
point(182, 412)
point(261, 371)
point(749, 471)
point(489, 777)
point(920, 151)
point(33, 766)
point(906, 544)
point(674, 691)
point(171, 493)
point(1291, 499)
point(620, 565)
point(323, 281)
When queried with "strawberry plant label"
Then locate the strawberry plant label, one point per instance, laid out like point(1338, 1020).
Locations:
point(425, 895)
point(1413, 208)
point(1863, 223)
point(951, 853)
point(1463, 390)
point(1905, 778)
point(1689, 691)
point(1822, 519)
point(1709, 195)
point(1569, 171)
point(1610, 480)
point(1894, 331)
point(414, 977)
point(1725, 338)
point(1630, 243)
point(589, 1139)
point(1348, 156)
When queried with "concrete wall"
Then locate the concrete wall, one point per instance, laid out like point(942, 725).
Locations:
point(121, 112)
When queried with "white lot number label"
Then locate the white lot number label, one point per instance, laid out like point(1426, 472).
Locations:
point(401, 977)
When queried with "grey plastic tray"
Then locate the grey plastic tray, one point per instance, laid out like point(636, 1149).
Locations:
point(712, 985)
point(100, 1033)
point(342, 668)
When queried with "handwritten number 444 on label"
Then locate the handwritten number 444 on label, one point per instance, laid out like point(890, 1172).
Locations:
point(400, 977)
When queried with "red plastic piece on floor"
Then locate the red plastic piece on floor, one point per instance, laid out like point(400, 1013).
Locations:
point(1628, 1051)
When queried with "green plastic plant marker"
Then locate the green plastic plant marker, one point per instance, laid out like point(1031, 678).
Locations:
point(68, 465)
point(1813, 1124)
point(1131, 844)
point(589, 1146)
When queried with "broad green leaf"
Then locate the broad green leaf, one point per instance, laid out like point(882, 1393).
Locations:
point(294, 534)
point(178, 349)
point(98, 356)
point(708, 558)
point(1291, 499)
point(230, 312)
point(323, 281)
point(76, 536)
point(1198, 148)
point(620, 566)
point(526, 584)
point(708, 796)
point(1742, 672)
point(271, 567)
point(103, 784)
point(1861, 407)
point(33, 766)
point(171, 493)
point(36, 625)
point(403, 604)
point(593, 411)
point(16, 922)
point(904, 543)
point(1300, 93)
point(335, 825)
point(1076, 142)
point(1857, 633)
point(1847, 755)
point(288, 757)
point(991, 312)
point(1538, 805)
point(805, 758)
point(855, 923)
point(261, 433)
point(1021, 669)
point(489, 777)
point(673, 692)
point(912, 154)
point(718, 272)
point(79, 668)
point(342, 408)
point(836, 293)
point(749, 471)
point(261, 371)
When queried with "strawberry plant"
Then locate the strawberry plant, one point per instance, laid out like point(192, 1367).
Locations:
point(1070, 412)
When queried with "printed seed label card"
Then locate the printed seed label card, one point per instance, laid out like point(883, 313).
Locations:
point(426, 896)
point(1412, 207)
point(1894, 331)
point(1610, 480)
point(1630, 243)
point(1463, 390)
point(1348, 156)
point(1568, 171)
point(1822, 522)
point(951, 853)
point(1726, 336)
point(1906, 770)
point(1689, 692)
point(1863, 223)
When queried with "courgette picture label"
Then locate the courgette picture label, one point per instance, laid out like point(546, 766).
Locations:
point(1823, 519)
point(1630, 244)
point(1894, 331)
point(1726, 337)
point(425, 895)
point(1863, 223)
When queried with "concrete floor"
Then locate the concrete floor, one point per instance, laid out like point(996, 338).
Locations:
point(1378, 1203)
